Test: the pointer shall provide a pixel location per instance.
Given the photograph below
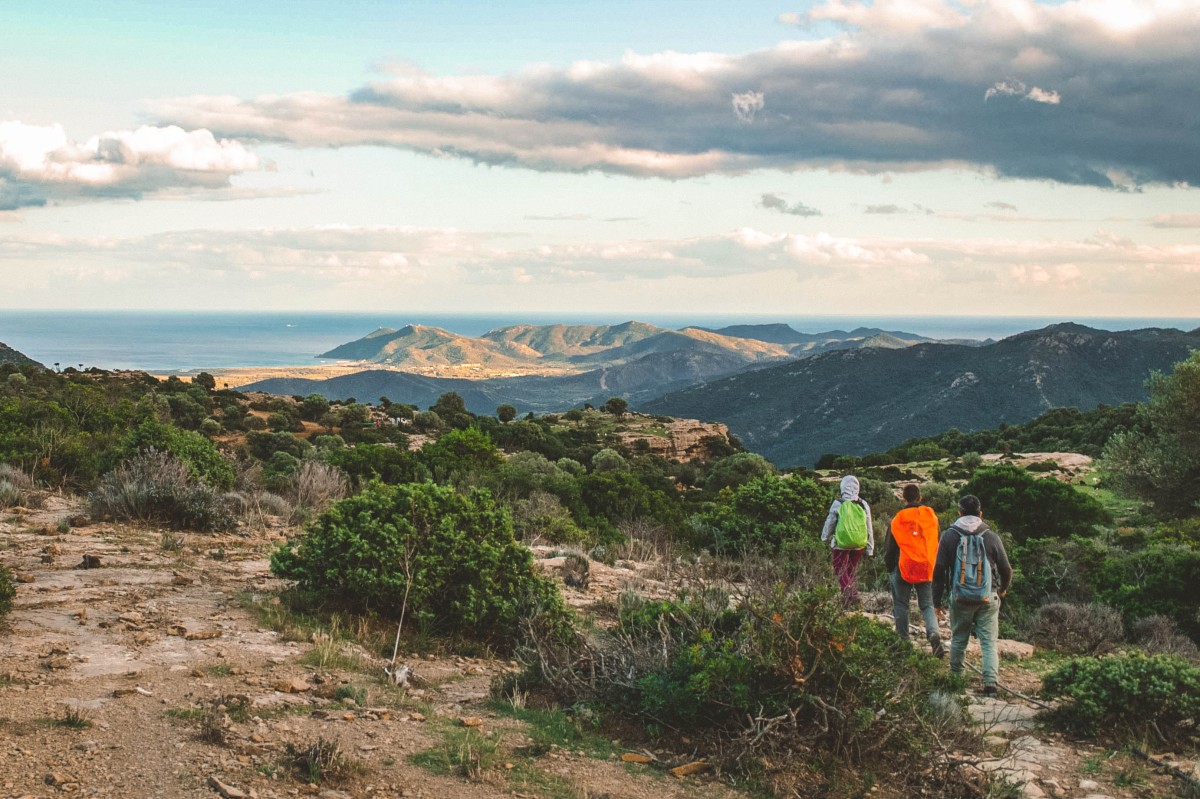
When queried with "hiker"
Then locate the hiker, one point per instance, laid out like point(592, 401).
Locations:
point(849, 533)
point(972, 564)
point(909, 554)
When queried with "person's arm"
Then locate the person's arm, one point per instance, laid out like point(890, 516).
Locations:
point(891, 552)
point(870, 530)
point(831, 520)
point(941, 567)
point(996, 551)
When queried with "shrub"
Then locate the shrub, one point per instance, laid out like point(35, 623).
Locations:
point(16, 487)
point(8, 591)
point(1158, 579)
point(318, 484)
point(203, 460)
point(157, 487)
point(422, 550)
point(1029, 507)
point(763, 515)
point(542, 516)
point(737, 469)
point(1090, 629)
point(939, 496)
point(1160, 635)
point(1127, 696)
point(775, 670)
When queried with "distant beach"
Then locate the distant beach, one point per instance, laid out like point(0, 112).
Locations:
point(275, 343)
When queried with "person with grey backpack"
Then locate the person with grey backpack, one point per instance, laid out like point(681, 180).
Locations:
point(973, 566)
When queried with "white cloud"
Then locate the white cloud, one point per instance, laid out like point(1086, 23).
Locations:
point(39, 163)
point(747, 104)
point(1016, 88)
point(1097, 90)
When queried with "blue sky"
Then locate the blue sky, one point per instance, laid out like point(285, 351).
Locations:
point(919, 156)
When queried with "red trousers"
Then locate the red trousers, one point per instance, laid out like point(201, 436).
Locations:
point(845, 566)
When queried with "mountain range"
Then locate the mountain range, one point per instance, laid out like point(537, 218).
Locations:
point(579, 347)
point(850, 401)
point(867, 400)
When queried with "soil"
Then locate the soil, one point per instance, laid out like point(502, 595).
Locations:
point(140, 645)
point(106, 673)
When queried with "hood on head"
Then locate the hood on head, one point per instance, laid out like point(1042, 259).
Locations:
point(850, 488)
point(969, 524)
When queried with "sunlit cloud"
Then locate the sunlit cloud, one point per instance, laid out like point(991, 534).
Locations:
point(1061, 92)
point(40, 164)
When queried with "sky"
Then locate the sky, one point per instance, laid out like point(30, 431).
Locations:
point(895, 157)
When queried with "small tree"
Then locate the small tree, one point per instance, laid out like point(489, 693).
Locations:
point(506, 413)
point(1159, 459)
point(617, 406)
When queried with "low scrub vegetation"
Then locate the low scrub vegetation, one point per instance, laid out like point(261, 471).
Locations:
point(8, 591)
point(1091, 629)
point(157, 487)
point(776, 674)
point(424, 552)
point(1132, 697)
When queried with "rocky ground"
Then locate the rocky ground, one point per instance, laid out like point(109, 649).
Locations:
point(138, 663)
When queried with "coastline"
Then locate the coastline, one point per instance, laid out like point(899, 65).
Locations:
point(237, 376)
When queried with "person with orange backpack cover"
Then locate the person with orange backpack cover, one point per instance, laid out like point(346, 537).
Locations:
point(909, 555)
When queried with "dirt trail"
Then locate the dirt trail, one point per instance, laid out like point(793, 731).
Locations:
point(139, 643)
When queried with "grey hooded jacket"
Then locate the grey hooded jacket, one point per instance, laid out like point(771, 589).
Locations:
point(849, 490)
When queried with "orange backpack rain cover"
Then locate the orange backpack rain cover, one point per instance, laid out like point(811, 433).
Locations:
point(916, 533)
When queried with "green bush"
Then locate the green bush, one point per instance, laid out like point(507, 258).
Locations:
point(447, 560)
point(203, 460)
point(844, 683)
point(1132, 696)
point(1029, 507)
point(763, 515)
point(1158, 579)
point(7, 591)
point(737, 469)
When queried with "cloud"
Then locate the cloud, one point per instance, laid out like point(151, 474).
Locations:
point(1075, 93)
point(1015, 88)
point(746, 105)
point(1176, 221)
point(1001, 206)
point(773, 202)
point(387, 261)
point(557, 217)
point(885, 209)
point(39, 163)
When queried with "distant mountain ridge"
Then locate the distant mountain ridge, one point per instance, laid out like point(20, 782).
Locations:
point(867, 400)
point(638, 380)
point(580, 346)
point(9, 355)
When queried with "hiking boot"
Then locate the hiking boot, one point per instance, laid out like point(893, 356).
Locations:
point(939, 650)
point(989, 690)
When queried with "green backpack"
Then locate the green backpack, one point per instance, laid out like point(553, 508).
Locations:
point(851, 532)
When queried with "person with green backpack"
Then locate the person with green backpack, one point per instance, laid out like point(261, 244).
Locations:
point(849, 532)
point(973, 566)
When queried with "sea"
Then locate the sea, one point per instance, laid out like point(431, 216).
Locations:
point(164, 341)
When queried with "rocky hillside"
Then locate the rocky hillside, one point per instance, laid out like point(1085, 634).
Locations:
point(9, 355)
point(558, 348)
point(867, 400)
point(640, 379)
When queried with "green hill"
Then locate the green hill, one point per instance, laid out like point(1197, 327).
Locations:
point(868, 400)
point(9, 355)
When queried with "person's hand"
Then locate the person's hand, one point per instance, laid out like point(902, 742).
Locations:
point(941, 613)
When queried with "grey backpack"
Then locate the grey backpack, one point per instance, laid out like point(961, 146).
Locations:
point(971, 583)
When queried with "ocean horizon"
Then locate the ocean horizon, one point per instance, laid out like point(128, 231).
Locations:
point(188, 340)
